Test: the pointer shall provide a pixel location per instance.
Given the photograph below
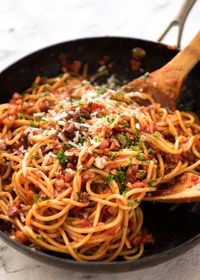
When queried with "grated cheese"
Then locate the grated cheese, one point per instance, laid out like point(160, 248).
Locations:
point(100, 162)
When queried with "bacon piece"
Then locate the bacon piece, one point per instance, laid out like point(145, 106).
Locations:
point(29, 197)
point(138, 185)
point(13, 211)
point(84, 197)
point(85, 223)
point(110, 231)
point(147, 238)
point(104, 144)
point(21, 237)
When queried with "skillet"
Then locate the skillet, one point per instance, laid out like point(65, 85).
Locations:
point(174, 231)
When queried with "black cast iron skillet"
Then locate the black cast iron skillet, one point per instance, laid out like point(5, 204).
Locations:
point(174, 231)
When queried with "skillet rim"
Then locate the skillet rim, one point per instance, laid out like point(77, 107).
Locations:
point(119, 266)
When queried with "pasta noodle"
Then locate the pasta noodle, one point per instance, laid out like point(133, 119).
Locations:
point(76, 160)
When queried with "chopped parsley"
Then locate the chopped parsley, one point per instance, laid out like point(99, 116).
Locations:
point(120, 94)
point(112, 156)
point(152, 182)
point(45, 94)
point(78, 194)
point(123, 193)
point(122, 140)
point(68, 146)
point(110, 120)
point(120, 178)
point(136, 132)
point(101, 90)
point(155, 135)
point(33, 124)
point(140, 158)
point(109, 178)
point(124, 123)
point(80, 103)
point(146, 75)
point(62, 158)
point(97, 139)
point(61, 106)
point(131, 204)
point(87, 139)
point(39, 237)
point(42, 119)
point(149, 150)
point(33, 157)
point(159, 175)
point(21, 116)
point(80, 119)
point(37, 199)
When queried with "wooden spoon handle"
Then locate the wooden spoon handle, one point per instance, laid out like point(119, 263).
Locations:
point(185, 60)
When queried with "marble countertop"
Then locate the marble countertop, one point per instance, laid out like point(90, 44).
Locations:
point(26, 26)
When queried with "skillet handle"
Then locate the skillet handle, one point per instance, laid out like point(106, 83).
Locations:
point(179, 20)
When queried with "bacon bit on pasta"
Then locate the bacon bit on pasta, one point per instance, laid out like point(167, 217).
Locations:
point(21, 237)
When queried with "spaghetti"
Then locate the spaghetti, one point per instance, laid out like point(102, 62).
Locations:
point(76, 160)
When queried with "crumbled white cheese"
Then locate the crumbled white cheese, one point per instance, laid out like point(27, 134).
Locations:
point(60, 116)
point(31, 129)
point(73, 144)
point(96, 142)
point(50, 132)
point(77, 136)
point(100, 162)
point(22, 150)
point(39, 114)
point(62, 137)
point(137, 125)
point(61, 122)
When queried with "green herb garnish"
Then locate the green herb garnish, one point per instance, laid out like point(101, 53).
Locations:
point(33, 124)
point(110, 120)
point(62, 158)
point(37, 199)
point(122, 139)
point(39, 237)
point(42, 119)
point(33, 157)
point(149, 150)
point(120, 178)
point(21, 116)
point(140, 158)
point(120, 94)
point(45, 94)
point(112, 156)
point(109, 178)
point(131, 204)
point(155, 135)
point(124, 123)
point(145, 75)
point(159, 175)
point(101, 90)
point(152, 182)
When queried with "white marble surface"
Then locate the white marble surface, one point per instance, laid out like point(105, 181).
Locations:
point(27, 25)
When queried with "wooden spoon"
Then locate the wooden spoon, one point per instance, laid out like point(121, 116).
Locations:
point(187, 189)
point(165, 83)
